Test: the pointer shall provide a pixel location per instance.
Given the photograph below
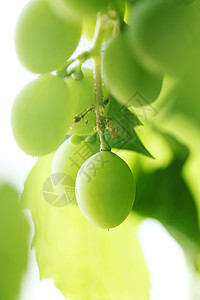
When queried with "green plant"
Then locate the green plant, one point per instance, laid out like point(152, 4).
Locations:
point(86, 126)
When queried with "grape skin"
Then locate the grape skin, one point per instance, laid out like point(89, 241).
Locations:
point(67, 160)
point(163, 36)
point(105, 189)
point(76, 9)
point(43, 41)
point(125, 78)
point(41, 115)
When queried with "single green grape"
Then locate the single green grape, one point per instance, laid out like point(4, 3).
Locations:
point(66, 161)
point(163, 35)
point(41, 115)
point(43, 41)
point(83, 98)
point(105, 189)
point(75, 139)
point(128, 82)
point(77, 8)
point(89, 23)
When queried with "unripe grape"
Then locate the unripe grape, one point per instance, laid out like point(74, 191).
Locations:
point(163, 35)
point(41, 115)
point(125, 78)
point(77, 8)
point(43, 41)
point(105, 189)
point(75, 139)
point(83, 97)
point(66, 161)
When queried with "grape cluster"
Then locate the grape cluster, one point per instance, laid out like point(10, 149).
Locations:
point(65, 112)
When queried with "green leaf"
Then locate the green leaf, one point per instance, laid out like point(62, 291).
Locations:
point(85, 262)
point(123, 121)
point(163, 194)
point(14, 232)
point(186, 102)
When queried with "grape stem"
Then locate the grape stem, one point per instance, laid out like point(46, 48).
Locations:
point(99, 105)
point(95, 53)
point(63, 71)
point(82, 115)
point(102, 24)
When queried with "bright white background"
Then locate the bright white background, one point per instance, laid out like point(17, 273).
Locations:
point(165, 259)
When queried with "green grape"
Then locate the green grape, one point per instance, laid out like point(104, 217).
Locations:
point(75, 139)
point(66, 161)
point(83, 97)
point(43, 41)
point(163, 36)
point(128, 82)
point(77, 8)
point(105, 189)
point(89, 23)
point(41, 115)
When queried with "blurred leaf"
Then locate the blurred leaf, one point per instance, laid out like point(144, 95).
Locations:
point(179, 108)
point(123, 122)
point(84, 261)
point(181, 119)
point(179, 150)
point(191, 174)
point(187, 100)
point(163, 194)
point(14, 231)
